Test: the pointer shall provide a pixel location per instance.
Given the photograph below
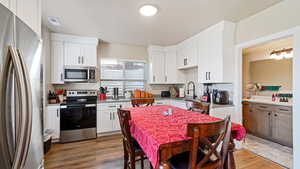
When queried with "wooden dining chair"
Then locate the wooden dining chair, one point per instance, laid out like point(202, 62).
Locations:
point(137, 102)
point(205, 152)
point(200, 107)
point(132, 150)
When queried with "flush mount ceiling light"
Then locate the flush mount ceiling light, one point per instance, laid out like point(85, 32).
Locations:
point(148, 10)
point(53, 21)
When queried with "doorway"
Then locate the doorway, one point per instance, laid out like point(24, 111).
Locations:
point(267, 84)
point(295, 34)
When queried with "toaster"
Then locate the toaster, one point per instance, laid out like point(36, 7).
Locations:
point(165, 94)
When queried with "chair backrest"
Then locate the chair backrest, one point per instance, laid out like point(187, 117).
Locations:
point(124, 118)
point(137, 102)
point(208, 137)
point(199, 107)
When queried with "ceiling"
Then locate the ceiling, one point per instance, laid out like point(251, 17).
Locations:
point(119, 21)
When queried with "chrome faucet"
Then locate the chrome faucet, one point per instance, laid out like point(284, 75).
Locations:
point(188, 89)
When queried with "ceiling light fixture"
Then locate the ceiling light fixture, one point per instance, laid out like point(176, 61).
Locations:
point(148, 10)
point(53, 21)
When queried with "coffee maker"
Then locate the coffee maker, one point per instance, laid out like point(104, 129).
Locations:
point(220, 96)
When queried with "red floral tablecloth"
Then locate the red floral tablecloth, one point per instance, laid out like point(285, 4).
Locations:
point(151, 128)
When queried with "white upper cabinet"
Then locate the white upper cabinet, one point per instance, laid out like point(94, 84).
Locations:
point(211, 51)
point(68, 51)
point(187, 54)
point(73, 54)
point(163, 69)
point(57, 62)
point(28, 11)
point(170, 65)
point(157, 65)
point(216, 53)
point(89, 54)
point(80, 54)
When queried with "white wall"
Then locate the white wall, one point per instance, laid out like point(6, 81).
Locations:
point(296, 107)
point(280, 17)
point(122, 51)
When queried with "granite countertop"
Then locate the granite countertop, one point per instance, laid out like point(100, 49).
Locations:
point(53, 104)
point(269, 101)
point(186, 99)
point(212, 106)
point(129, 99)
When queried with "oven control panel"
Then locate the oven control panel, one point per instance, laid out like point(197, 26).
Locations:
point(72, 93)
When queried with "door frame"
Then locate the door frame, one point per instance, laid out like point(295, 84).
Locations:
point(238, 90)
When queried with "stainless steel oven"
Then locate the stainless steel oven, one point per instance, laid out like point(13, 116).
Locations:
point(80, 74)
point(78, 119)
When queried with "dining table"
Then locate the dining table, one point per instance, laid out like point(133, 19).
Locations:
point(161, 131)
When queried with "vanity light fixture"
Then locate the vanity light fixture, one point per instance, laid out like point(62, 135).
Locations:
point(282, 54)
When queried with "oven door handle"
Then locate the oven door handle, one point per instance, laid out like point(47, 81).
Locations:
point(90, 105)
point(63, 107)
point(74, 106)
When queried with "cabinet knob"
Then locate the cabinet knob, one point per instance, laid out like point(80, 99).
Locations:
point(275, 115)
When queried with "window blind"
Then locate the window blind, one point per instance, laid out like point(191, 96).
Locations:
point(125, 75)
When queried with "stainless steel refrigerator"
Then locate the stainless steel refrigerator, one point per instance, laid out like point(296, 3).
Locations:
point(21, 141)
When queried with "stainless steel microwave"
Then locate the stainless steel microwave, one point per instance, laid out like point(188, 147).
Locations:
point(80, 74)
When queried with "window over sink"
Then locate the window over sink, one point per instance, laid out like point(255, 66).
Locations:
point(127, 75)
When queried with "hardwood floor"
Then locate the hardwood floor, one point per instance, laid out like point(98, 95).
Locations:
point(107, 153)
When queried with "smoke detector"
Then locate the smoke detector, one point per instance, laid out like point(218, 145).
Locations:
point(54, 21)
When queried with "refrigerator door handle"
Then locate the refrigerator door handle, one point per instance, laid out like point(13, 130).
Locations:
point(7, 147)
point(13, 70)
point(21, 129)
point(29, 109)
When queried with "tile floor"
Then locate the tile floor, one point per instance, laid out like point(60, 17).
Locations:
point(275, 152)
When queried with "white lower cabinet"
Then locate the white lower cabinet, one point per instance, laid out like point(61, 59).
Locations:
point(178, 103)
point(162, 102)
point(52, 120)
point(172, 102)
point(104, 123)
point(222, 112)
point(107, 116)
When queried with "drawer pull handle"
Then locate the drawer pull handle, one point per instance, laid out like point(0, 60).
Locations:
point(283, 110)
